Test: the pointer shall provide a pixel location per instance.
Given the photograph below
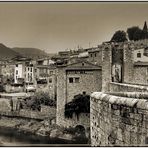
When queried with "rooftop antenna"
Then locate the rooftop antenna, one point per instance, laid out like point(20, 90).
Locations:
point(78, 47)
point(89, 44)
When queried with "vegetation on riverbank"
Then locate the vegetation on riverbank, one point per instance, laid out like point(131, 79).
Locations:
point(43, 129)
point(35, 102)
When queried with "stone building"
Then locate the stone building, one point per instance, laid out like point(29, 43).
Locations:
point(95, 56)
point(118, 114)
point(74, 79)
point(44, 61)
point(7, 71)
point(121, 64)
point(46, 77)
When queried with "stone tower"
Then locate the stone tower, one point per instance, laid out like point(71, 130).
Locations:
point(128, 62)
point(106, 67)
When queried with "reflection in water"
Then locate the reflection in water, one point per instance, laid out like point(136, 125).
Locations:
point(10, 137)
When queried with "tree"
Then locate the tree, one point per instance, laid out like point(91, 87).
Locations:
point(131, 31)
point(138, 35)
point(145, 27)
point(135, 33)
point(79, 104)
point(119, 36)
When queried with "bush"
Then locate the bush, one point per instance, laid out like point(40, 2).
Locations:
point(35, 102)
point(45, 99)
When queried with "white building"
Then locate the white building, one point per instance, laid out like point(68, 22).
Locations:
point(19, 72)
point(141, 55)
point(24, 72)
point(29, 73)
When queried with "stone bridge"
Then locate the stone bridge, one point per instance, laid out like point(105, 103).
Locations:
point(119, 119)
point(83, 119)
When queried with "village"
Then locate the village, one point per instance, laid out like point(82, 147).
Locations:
point(96, 92)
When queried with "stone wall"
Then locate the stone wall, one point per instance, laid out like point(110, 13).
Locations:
point(5, 105)
point(128, 63)
point(140, 75)
point(123, 87)
point(118, 121)
point(49, 88)
point(5, 110)
point(83, 120)
point(106, 67)
point(96, 57)
point(9, 88)
point(77, 88)
point(24, 113)
point(61, 96)
point(131, 73)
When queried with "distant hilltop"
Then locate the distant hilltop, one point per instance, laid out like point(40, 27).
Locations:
point(33, 53)
point(7, 53)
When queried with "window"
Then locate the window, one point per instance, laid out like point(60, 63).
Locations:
point(16, 65)
point(95, 54)
point(51, 72)
point(28, 68)
point(82, 64)
point(31, 69)
point(70, 80)
point(139, 55)
point(74, 80)
point(50, 80)
point(77, 80)
point(16, 72)
point(30, 77)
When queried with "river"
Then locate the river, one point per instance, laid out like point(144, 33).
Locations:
point(9, 137)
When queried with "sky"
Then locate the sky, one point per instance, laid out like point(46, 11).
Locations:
point(58, 26)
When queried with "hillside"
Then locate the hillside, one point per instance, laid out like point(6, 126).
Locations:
point(6, 52)
point(30, 52)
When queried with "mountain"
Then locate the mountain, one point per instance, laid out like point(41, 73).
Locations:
point(6, 52)
point(33, 53)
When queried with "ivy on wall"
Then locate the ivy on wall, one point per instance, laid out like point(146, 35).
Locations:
point(80, 104)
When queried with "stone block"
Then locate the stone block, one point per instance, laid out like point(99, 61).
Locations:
point(133, 138)
point(119, 134)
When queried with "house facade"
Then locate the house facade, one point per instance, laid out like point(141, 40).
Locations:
point(24, 72)
point(95, 56)
point(19, 72)
point(46, 79)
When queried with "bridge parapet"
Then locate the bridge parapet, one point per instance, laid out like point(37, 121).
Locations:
point(118, 120)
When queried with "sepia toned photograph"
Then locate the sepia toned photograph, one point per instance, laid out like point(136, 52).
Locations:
point(73, 74)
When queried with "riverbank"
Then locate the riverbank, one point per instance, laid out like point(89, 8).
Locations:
point(36, 133)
